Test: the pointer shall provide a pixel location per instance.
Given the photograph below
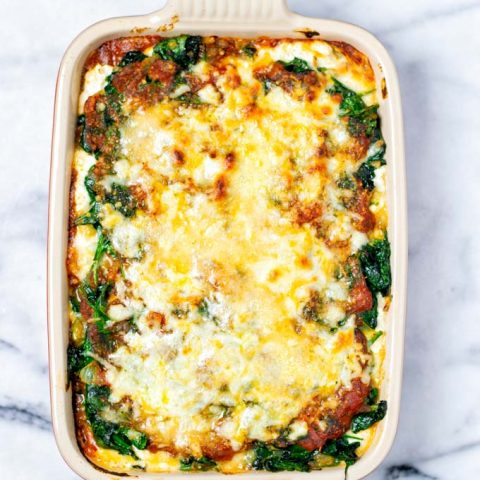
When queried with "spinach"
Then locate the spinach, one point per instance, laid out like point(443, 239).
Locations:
point(372, 396)
point(201, 464)
point(267, 85)
point(366, 174)
point(297, 65)
point(122, 200)
point(375, 262)
point(89, 183)
point(362, 421)
point(75, 304)
point(342, 450)
point(366, 171)
point(109, 434)
point(313, 309)
point(249, 50)
point(81, 123)
point(111, 91)
point(97, 299)
point(377, 147)
point(274, 459)
point(369, 317)
point(375, 338)
point(184, 50)
point(203, 309)
point(77, 357)
point(103, 247)
point(345, 182)
point(362, 119)
point(91, 217)
point(131, 57)
point(189, 98)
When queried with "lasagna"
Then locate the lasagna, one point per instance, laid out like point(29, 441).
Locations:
point(228, 261)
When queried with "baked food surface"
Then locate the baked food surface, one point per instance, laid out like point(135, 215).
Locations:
point(228, 261)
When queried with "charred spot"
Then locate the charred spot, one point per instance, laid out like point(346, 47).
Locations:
point(178, 157)
point(230, 160)
point(220, 188)
point(309, 33)
point(384, 88)
point(351, 52)
point(361, 206)
point(217, 448)
point(313, 309)
point(307, 213)
point(139, 195)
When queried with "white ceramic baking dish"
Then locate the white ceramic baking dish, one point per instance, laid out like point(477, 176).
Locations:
point(245, 18)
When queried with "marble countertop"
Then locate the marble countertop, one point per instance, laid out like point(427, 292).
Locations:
point(435, 45)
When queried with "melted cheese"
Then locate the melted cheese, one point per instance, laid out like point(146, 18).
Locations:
point(240, 360)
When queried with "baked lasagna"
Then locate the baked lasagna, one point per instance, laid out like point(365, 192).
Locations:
point(228, 261)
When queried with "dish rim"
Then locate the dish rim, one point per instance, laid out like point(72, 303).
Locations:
point(225, 18)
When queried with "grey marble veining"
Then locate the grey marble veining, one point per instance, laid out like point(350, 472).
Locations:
point(436, 47)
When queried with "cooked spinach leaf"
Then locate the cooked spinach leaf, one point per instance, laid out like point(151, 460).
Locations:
point(366, 175)
point(97, 299)
point(122, 200)
point(362, 119)
point(189, 98)
point(91, 217)
point(203, 309)
point(75, 304)
point(103, 247)
point(372, 396)
point(131, 57)
point(375, 262)
point(374, 338)
point(109, 434)
point(249, 50)
point(89, 183)
point(297, 65)
point(369, 317)
point(364, 420)
point(78, 357)
point(112, 91)
point(342, 450)
point(366, 171)
point(184, 50)
point(345, 182)
point(83, 134)
point(192, 464)
point(274, 459)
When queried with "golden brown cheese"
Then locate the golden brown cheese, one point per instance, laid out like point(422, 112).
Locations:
point(217, 216)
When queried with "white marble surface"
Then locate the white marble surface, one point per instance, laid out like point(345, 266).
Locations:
point(436, 47)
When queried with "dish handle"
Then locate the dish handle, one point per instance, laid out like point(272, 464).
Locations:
point(250, 11)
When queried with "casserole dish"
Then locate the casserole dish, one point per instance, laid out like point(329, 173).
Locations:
point(207, 18)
